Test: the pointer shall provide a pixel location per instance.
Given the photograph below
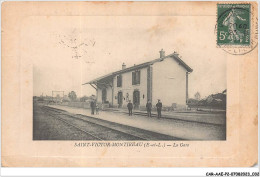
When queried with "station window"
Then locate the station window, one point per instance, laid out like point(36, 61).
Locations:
point(119, 81)
point(135, 77)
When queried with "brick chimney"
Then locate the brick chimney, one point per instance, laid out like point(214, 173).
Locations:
point(162, 53)
point(123, 66)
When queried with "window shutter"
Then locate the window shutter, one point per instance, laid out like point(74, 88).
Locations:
point(133, 78)
point(138, 95)
point(138, 80)
point(120, 81)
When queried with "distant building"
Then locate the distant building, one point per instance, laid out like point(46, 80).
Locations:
point(165, 78)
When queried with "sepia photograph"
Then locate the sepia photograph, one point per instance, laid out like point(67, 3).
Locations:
point(102, 79)
point(129, 84)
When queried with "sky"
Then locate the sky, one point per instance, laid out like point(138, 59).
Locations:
point(69, 51)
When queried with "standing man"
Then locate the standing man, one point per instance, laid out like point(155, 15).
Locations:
point(159, 109)
point(149, 108)
point(92, 106)
point(130, 108)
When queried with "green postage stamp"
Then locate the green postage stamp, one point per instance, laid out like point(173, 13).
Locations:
point(233, 24)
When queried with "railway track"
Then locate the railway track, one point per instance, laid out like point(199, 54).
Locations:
point(98, 131)
point(105, 130)
point(78, 128)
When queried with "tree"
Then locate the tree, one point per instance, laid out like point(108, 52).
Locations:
point(197, 96)
point(84, 98)
point(72, 96)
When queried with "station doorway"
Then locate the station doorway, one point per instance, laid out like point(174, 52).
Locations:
point(136, 99)
point(120, 99)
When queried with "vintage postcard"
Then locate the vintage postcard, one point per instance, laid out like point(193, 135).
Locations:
point(129, 84)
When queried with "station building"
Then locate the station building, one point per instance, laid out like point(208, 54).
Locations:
point(164, 78)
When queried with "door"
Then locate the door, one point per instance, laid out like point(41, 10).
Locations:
point(136, 99)
point(120, 99)
point(104, 95)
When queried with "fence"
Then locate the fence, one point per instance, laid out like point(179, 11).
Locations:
point(83, 105)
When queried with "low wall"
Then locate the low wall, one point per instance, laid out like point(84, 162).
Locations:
point(221, 107)
point(76, 104)
point(164, 108)
point(104, 106)
point(83, 105)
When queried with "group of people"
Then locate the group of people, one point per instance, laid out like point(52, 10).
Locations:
point(148, 108)
point(94, 107)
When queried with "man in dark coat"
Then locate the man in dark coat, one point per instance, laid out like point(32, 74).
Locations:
point(130, 108)
point(92, 106)
point(149, 108)
point(159, 109)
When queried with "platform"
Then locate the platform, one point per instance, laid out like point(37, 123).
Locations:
point(217, 118)
point(189, 130)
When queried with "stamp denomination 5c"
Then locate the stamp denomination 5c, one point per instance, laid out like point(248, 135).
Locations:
point(233, 25)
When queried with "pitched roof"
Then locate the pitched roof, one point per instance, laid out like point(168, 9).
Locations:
point(142, 65)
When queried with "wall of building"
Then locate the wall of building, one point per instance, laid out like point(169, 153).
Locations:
point(169, 83)
point(127, 87)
